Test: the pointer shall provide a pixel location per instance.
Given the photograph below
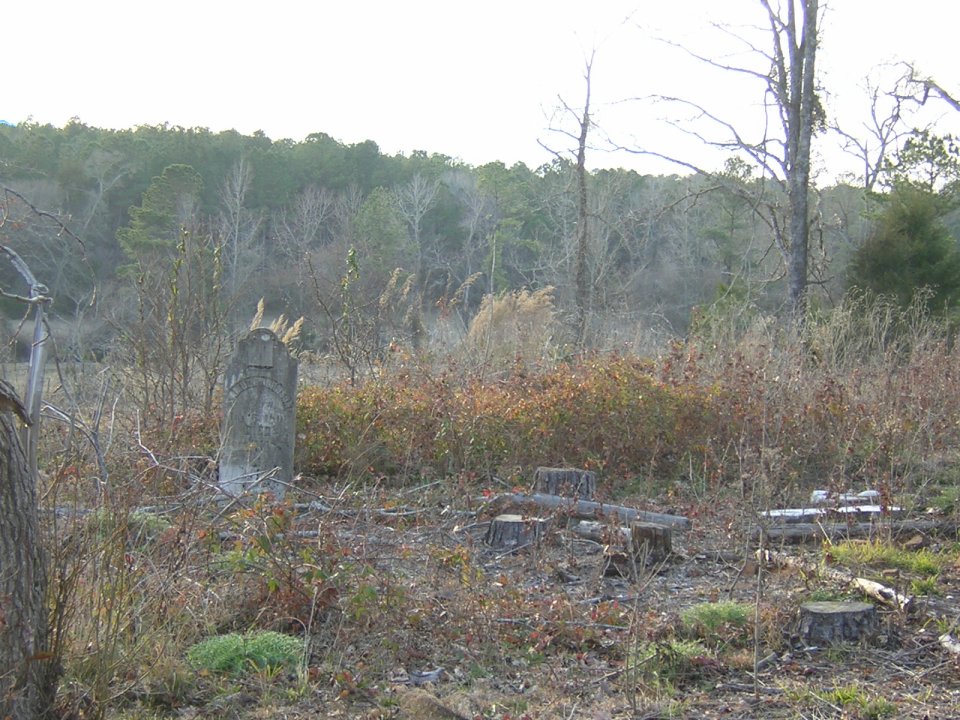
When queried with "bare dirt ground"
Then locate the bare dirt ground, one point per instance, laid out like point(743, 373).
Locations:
point(414, 617)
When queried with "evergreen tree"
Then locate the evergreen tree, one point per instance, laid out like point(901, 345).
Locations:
point(909, 249)
point(167, 209)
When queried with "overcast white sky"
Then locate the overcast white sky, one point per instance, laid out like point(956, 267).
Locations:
point(473, 80)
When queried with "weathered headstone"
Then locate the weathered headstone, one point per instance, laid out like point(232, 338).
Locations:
point(259, 416)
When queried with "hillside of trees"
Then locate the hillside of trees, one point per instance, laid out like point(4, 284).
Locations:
point(279, 220)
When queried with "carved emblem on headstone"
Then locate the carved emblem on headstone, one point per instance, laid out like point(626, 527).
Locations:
point(259, 416)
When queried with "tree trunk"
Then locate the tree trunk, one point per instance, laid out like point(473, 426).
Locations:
point(651, 543)
point(799, 102)
point(582, 278)
point(27, 679)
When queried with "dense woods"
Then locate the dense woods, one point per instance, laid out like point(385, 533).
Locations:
point(281, 218)
point(288, 221)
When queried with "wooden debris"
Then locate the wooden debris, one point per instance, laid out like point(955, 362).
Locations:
point(950, 644)
point(589, 509)
point(802, 532)
point(510, 532)
point(825, 497)
point(825, 623)
point(601, 532)
point(566, 482)
point(888, 596)
point(786, 516)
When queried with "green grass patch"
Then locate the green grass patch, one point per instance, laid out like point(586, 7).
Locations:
point(925, 586)
point(717, 624)
point(886, 555)
point(233, 654)
point(853, 696)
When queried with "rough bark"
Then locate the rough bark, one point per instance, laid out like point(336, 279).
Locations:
point(582, 279)
point(792, 82)
point(511, 532)
point(651, 542)
point(568, 482)
point(27, 680)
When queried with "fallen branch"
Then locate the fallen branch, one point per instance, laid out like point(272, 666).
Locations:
point(888, 596)
point(789, 516)
point(589, 509)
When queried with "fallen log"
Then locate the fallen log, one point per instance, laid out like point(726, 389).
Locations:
point(888, 596)
point(785, 516)
point(589, 509)
point(801, 532)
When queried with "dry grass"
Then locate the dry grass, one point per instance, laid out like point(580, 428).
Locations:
point(513, 328)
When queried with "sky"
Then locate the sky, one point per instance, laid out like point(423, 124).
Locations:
point(477, 81)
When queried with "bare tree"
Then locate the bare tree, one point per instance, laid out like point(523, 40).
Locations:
point(583, 123)
point(415, 199)
point(783, 149)
point(921, 88)
point(240, 227)
point(479, 223)
point(881, 133)
point(304, 224)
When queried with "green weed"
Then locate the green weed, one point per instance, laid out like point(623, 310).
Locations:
point(717, 623)
point(882, 554)
point(234, 654)
point(925, 586)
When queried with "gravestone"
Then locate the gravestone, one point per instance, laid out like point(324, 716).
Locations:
point(259, 416)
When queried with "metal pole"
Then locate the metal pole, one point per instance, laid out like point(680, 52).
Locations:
point(38, 361)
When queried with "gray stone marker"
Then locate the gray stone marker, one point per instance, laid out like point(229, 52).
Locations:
point(259, 416)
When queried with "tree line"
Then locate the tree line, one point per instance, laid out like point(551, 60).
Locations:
point(304, 224)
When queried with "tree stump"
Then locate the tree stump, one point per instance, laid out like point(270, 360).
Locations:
point(565, 482)
point(824, 623)
point(511, 532)
point(651, 543)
